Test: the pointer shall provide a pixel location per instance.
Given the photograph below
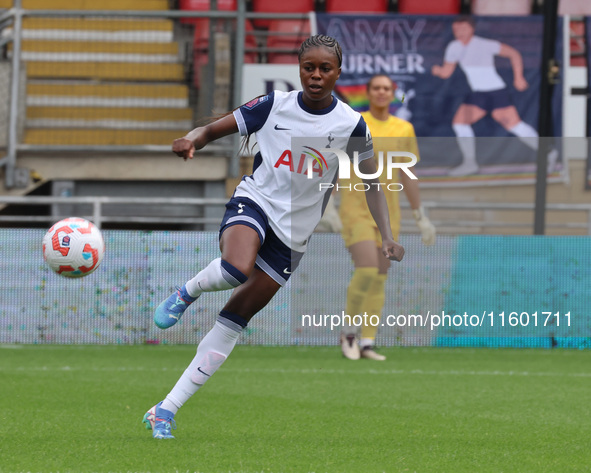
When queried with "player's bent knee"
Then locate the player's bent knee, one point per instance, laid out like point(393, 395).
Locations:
point(232, 274)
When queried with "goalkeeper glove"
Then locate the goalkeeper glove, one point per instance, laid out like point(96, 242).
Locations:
point(427, 228)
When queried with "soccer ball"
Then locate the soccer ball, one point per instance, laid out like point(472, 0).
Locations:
point(73, 247)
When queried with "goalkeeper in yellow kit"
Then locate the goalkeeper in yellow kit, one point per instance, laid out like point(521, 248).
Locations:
point(366, 291)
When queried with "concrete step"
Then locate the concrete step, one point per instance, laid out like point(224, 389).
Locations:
point(110, 118)
point(104, 113)
point(97, 24)
point(95, 29)
point(98, 51)
point(59, 91)
point(67, 136)
point(105, 71)
point(126, 89)
point(93, 47)
point(89, 4)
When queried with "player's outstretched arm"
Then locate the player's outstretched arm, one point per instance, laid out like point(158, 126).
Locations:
point(445, 71)
point(519, 81)
point(378, 208)
point(201, 136)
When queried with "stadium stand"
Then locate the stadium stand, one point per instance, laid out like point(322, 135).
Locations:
point(577, 9)
point(201, 46)
point(273, 6)
point(578, 56)
point(204, 5)
point(285, 37)
point(89, 4)
point(430, 7)
point(202, 33)
point(355, 6)
point(103, 81)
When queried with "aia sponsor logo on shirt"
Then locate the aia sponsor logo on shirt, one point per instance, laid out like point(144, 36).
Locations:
point(310, 162)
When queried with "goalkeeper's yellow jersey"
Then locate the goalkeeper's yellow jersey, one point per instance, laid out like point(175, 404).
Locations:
point(393, 134)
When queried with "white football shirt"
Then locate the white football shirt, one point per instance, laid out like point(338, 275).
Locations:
point(477, 60)
point(288, 135)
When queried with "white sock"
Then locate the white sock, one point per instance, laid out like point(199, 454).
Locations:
point(526, 133)
point(213, 350)
point(219, 275)
point(466, 142)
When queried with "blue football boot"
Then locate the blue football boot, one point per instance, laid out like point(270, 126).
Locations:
point(171, 310)
point(160, 422)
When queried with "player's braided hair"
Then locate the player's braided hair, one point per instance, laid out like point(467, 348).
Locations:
point(321, 40)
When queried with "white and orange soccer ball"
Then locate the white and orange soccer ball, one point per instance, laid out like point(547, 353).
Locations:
point(73, 247)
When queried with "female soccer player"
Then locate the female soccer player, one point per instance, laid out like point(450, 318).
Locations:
point(366, 288)
point(272, 213)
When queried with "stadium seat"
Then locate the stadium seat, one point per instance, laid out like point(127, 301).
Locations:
point(501, 7)
point(286, 35)
point(93, 5)
point(201, 36)
point(356, 6)
point(429, 7)
point(204, 5)
point(201, 46)
point(577, 43)
point(250, 43)
point(274, 6)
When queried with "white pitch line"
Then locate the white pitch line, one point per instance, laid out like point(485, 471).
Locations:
point(315, 371)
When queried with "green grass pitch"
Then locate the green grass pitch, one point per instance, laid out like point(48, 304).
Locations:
point(297, 409)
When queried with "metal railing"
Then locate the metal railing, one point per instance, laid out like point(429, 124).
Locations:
point(15, 17)
point(99, 218)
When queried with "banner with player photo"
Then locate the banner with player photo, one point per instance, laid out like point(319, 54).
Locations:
point(457, 77)
point(588, 49)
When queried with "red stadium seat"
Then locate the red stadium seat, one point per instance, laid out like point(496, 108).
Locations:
point(201, 37)
point(204, 5)
point(283, 58)
point(356, 6)
point(429, 7)
point(201, 46)
point(275, 6)
point(287, 35)
point(577, 43)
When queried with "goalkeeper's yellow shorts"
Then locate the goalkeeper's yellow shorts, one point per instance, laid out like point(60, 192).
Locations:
point(363, 229)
